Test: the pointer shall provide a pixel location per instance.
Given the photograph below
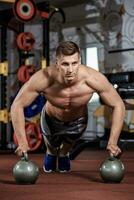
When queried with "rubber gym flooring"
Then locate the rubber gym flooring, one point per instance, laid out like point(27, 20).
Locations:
point(82, 183)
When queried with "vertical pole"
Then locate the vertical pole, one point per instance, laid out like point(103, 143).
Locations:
point(46, 37)
point(3, 85)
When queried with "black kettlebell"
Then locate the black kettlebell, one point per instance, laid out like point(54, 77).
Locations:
point(25, 171)
point(112, 170)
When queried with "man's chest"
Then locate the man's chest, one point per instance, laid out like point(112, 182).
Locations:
point(71, 96)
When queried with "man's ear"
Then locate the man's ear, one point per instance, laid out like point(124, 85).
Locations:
point(79, 61)
point(57, 64)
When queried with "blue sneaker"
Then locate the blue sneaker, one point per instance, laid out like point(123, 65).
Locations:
point(49, 163)
point(64, 164)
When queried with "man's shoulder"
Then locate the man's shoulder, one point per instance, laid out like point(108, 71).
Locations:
point(85, 67)
point(48, 70)
point(90, 74)
point(88, 70)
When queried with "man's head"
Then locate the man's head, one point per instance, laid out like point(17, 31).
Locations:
point(68, 61)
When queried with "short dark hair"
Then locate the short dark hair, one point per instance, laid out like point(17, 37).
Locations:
point(67, 48)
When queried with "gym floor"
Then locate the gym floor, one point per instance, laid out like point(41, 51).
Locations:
point(82, 183)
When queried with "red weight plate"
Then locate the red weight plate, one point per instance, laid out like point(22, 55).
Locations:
point(33, 136)
point(25, 72)
point(24, 10)
point(25, 41)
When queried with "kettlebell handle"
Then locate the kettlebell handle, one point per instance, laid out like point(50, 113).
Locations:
point(25, 156)
point(112, 155)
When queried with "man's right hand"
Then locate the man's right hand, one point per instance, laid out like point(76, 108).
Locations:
point(22, 149)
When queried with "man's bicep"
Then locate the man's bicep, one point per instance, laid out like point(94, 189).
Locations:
point(106, 91)
point(26, 95)
point(110, 96)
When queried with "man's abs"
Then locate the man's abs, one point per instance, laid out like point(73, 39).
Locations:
point(65, 114)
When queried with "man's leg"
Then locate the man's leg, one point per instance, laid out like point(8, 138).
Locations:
point(65, 148)
point(50, 149)
point(50, 160)
point(63, 155)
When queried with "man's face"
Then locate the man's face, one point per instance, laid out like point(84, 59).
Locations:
point(68, 67)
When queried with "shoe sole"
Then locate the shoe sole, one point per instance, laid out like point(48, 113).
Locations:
point(64, 171)
point(50, 171)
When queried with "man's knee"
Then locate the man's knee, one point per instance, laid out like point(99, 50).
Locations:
point(66, 147)
point(50, 148)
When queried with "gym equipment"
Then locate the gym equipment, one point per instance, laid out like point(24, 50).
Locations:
point(35, 107)
point(3, 74)
point(3, 88)
point(24, 10)
point(44, 15)
point(120, 50)
point(56, 11)
point(33, 135)
point(112, 170)
point(25, 72)
point(120, 77)
point(4, 115)
point(25, 171)
point(25, 41)
point(4, 68)
point(57, 18)
point(124, 82)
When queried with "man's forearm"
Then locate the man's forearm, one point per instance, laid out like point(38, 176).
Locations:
point(117, 123)
point(18, 122)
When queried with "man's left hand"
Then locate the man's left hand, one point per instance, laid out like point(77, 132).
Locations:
point(114, 149)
